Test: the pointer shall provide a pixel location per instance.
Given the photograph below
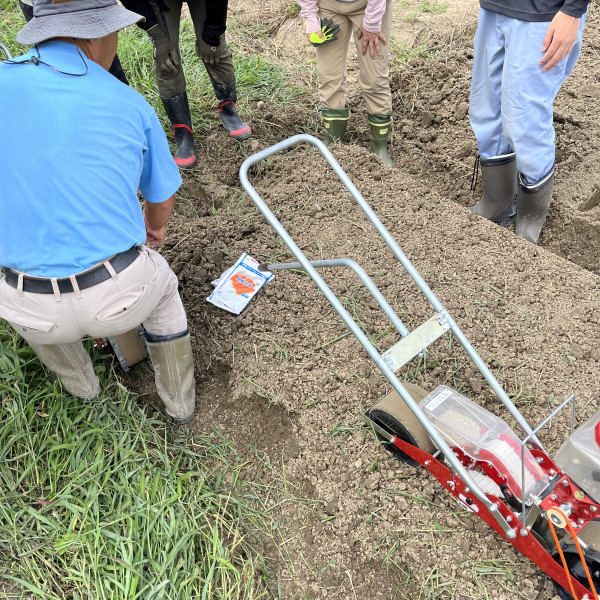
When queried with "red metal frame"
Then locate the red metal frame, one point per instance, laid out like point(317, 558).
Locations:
point(526, 544)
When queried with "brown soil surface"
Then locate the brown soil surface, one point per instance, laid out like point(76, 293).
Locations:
point(285, 384)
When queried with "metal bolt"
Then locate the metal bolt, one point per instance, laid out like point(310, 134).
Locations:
point(552, 472)
point(427, 463)
point(508, 519)
point(597, 574)
point(511, 535)
point(565, 483)
point(467, 490)
point(554, 497)
point(540, 459)
point(524, 532)
point(593, 508)
point(580, 521)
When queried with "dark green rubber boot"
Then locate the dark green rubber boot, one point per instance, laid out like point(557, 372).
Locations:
point(380, 126)
point(335, 121)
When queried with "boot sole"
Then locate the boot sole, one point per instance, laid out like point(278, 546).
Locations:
point(241, 134)
point(186, 163)
point(183, 421)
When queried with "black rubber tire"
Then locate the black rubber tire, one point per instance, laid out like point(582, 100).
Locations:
point(394, 416)
point(577, 571)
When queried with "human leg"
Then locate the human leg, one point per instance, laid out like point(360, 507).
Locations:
point(221, 74)
point(144, 292)
point(374, 80)
point(170, 80)
point(331, 70)
point(331, 57)
point(528, 95)
point(498, 167)
point(150, 296)
point(72, 365)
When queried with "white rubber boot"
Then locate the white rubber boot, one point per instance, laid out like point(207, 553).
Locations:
point(73, 367)
point(174, 375)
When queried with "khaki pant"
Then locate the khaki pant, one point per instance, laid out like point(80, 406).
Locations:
point(374, 75)
point(53, 324)
point(171, 84)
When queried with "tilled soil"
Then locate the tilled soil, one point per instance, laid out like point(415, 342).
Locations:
point(287, 384)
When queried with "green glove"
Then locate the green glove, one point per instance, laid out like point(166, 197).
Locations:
point(165, 54)
point(329, 31)
point(207, 53)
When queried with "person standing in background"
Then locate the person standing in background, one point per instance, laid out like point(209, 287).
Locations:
point(210, 22)
point(524, 50)
point(329, 26)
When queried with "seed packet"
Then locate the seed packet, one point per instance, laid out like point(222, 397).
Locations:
point(238, 285)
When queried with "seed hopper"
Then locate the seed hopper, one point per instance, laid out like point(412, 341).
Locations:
point(549, 509)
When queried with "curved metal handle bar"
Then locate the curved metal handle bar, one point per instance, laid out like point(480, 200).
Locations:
point(6, 51)
point(393, 245)
point(362, 274)
point(349, 321)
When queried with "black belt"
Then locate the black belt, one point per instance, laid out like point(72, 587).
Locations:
point(43, 285)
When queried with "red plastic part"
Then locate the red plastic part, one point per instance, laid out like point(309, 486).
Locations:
point(597, 433)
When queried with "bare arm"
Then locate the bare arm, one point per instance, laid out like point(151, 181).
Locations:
point(559, 40)
point(156, 215)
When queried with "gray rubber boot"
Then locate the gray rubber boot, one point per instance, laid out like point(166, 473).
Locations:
point(380, 126)
point(73, 367)
point(533, 203)
point(499, 175)
point(174, 374)
point(335, 122)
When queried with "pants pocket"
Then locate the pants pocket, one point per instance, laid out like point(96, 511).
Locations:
point(122, 304)
point(23, 322)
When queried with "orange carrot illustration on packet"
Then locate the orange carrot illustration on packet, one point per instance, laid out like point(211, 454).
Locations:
point(242, 284)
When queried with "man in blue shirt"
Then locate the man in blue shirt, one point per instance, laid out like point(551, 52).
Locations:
point(524, 50)
point(72, 241)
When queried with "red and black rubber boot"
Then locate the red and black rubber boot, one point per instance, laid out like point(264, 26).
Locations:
point(232, 122)
point(178, 111)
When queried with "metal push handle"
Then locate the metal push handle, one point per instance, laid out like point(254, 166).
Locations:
point(362, 274)
point(358, 333)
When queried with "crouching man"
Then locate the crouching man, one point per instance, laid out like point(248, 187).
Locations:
point(76, 146)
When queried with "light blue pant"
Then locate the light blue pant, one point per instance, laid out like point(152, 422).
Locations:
point(511, 98)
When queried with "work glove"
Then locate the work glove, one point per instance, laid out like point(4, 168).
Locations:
point(208, 54)
point(165, 53)
point(329, 33)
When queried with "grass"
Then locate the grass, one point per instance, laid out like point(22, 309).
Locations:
point(103, 500)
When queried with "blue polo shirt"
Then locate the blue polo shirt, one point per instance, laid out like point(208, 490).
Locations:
point(73, 153)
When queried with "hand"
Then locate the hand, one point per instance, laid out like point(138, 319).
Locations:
point(165, 54)
point(371, 41)
point(327, 34)
point(155, 237)
point(208, 54)
point(559, 40)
